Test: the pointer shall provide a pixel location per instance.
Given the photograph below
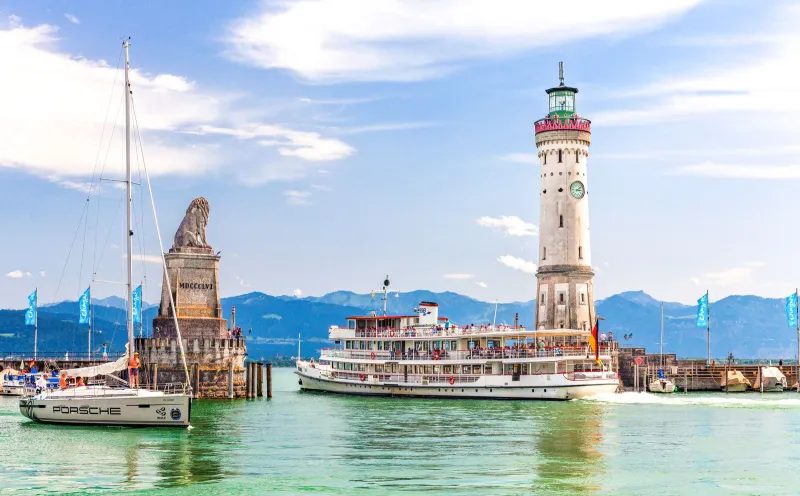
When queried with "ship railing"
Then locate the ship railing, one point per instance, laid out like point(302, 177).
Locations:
point(487, 354)
point(427, 331)
point(400, 379)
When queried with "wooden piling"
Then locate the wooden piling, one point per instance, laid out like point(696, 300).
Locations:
point(269, 380)
point(230, 380)
point(260, 389)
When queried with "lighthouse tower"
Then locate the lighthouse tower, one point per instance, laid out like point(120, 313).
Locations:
point(564, 277)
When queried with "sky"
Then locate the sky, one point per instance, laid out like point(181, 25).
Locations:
point(339, 141)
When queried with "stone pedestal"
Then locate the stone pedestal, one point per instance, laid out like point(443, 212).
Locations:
point(214, 361)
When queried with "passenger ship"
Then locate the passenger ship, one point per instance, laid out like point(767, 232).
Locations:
point(424, 355)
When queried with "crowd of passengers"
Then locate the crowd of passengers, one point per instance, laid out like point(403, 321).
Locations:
point(517, 350)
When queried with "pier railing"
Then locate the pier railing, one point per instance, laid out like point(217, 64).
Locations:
point(446, 379)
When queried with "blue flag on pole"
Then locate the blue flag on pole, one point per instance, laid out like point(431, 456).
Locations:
point(30, 314)
point(83, 307)
point(137, 305)
point(791, 310)
point(702, 311)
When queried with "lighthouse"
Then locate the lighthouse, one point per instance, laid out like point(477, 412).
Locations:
point(564, 277)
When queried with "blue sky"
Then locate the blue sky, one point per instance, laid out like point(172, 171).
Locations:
point(340, 141)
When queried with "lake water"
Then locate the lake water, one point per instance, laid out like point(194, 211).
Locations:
point(321, 443)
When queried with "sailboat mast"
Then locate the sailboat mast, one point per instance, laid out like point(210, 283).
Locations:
point(128, 219)
point(661, 339)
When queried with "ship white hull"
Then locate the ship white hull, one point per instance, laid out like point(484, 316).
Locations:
point(540, 387)
point(146, 409)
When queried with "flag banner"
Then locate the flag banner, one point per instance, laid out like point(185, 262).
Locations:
point(791, 310)
point(593, 341)
point(137, 305)
point(30, 314)
point(702, 311)
point(83, 307)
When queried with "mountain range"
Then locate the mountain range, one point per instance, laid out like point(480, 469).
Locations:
point(747, 326)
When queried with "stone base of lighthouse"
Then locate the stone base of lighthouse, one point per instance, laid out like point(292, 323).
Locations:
point(565, 297)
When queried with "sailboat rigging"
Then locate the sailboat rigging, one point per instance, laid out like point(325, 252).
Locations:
point(102, 404)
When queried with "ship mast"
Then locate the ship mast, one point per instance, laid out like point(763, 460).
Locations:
point(128, 220)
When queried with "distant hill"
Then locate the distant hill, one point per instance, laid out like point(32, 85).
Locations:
point(748, 326)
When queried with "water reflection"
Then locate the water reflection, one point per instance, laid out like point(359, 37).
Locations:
point(567, 445)
point(467, 445)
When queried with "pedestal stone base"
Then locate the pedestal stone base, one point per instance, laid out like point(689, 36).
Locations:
point(216, 366)
point(191, 328)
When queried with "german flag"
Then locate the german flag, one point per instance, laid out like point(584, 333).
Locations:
point(593, 341)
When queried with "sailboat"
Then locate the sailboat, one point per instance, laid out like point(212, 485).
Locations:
point(104, 404)
point(662, 384)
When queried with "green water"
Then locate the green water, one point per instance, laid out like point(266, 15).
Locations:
point(320, 443)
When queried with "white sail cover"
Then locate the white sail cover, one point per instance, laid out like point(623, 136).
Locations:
point(104, 369)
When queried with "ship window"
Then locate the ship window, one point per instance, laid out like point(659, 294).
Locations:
point(561, 222)
point(580, 252)
point(559, 156)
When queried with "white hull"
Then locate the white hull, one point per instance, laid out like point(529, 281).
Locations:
point(662, 386)
point(104, 406)
point(735, 388)
point(12, 390)
point(539, 387)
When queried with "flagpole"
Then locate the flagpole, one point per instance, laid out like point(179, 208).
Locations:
point(89, 320)
point(708, 328)
point(36, 323)
point(797, 324)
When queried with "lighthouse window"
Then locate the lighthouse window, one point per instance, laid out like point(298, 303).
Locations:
point(580, 252)
point(559, 156)
point(544, 253)
point(561, 298)
point(576, 156)
point(545, 159)
point(561, 223)
point(541, 300)
point(583, 298)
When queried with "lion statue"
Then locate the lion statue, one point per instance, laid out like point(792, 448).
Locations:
point(192, 231)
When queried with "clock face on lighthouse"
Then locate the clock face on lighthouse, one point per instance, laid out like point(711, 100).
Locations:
point(577, 190)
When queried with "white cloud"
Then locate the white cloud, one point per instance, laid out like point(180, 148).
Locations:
point(320, 187)
point(737, 171)
point(518, 263)
point(297, 293)
point(289, 143)
point(42, 273)
point(389, 40)
point(695, 280)
point(71, 18)
point(482, 284)
point(756, 263)
point(459, 276)
point(732, 83)
point(323, 171)
point(511, 224)
point(52, 130)
point(294, 197)
point(241, 282)
point(17, 274)
point(389, 126)
point(729, 277)
point(138, 258)
point(520, 158)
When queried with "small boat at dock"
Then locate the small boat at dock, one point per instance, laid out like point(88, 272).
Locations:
point(770, 380)
point(733, 381)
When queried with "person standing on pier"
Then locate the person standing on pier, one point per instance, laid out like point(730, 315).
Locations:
point(133, 371)
point(105, 352)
